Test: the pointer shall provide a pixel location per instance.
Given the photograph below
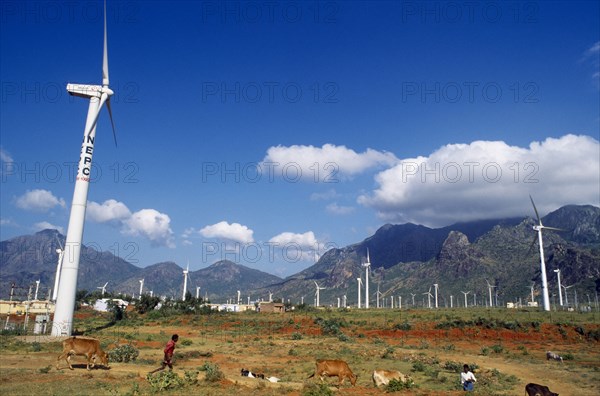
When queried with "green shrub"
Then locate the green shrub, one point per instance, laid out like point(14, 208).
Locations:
point(398, 385)
point(453, 366)
point(497, 348)
point(213, 372)
point(418, 366)
point(123, 353)
point(403, 326)
point(164, 380)
point(45, 370)
point(36, 346)
point(187, 342)
point(317, 390)
point(568, 356)
point(485, 351)
point(388, 354)
point(296, 336)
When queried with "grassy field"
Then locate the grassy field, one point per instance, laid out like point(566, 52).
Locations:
point(506, 348)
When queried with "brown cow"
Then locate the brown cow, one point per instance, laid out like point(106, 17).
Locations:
point(89, 347)
point(538, 390)
point(383, 377)
point(334, 368)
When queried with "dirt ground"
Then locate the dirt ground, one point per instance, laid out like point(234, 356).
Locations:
point(286, 347)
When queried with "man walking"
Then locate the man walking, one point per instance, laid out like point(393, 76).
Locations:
point(169, 349)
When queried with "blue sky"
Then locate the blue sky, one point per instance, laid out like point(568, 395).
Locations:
point(267, 132)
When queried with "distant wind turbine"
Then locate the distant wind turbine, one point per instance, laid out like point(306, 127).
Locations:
point(103, 288)
point(367, 266)
point(186, 271)
point(465, 293)
point(566, 294)
point(37, 287)
point(435, 285)
point(359, 280)
point(378, 295)
point(61, 253)
point(429, 295)
point(319, 288)
point(559, 289)
point(413, 298)
point(98, 96)
point(490, 287)
point(141, 287)
point(538, 228)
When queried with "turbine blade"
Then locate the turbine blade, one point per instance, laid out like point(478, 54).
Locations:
point(105, 57)
point(553, 229)
point(535, 209)
point(58, 240)
point(531, 246)
point(103, 99)
point(111, 120)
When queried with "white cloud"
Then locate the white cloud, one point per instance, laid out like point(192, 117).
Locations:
point(147, 223)
point(294, 247)
point(488, 179)
point(306, 240)
point(151, 224)
point(336, 209)
point(39, 200)
point(591, 56)
point(44, 225)
point(110, 210)
point(234, 232)
point(327, 164)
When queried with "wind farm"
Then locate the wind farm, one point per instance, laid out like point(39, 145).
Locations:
point(296, 182)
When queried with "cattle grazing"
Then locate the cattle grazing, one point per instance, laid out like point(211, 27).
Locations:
point(334, 368)
point(553, 356)
point(88, 347)
point(383, 377)
point(538, 390)
point(245, 372)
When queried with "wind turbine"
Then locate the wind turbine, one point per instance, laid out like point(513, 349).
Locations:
point(378, 294)
point(103, 288)
point(413, 298)
point(317, 293)
point(399, 302)
point(198, 293)
point(392, 302)
point(37, 287)
point(61, 253)
point(186, 271)
point(539, 227)
point(465, 293)
point(435, 285)
point(141, 287)
point(98, 96)
point(367, 266)
point(359, 280)
point(566, 294)
point(490, 287)
point(429, 295)
point(559, 289)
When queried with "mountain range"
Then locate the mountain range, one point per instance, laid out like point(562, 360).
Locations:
point(406, 260)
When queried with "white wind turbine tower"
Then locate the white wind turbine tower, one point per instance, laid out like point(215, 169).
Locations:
point(539, 227)
point(566, 295)
point(435, 285)
point(198, 292)
point(413, 298)
point(465, 293)
point(429, 295)
point(141, 287)
point(37, 287)
point(61, 253)
point(239, 296)
point(359, 280)
point(317, 293)
point(559, 289)
point(186, 271)
point(367, 266)
point(532, 286)
point(378, 294)
point(98, 95)
point(490, 287)
point(103, 288)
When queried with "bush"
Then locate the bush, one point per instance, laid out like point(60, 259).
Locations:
point(36, 346)
point(418, 366)
point(497, 348)
point(213, 372)
point(388, 354)
point(296, 336)
point(123, 353)
point(187, 342)
point(317, 390)
point(402, 326)
point(453, 366)
point(164, 380)
point(398, 385)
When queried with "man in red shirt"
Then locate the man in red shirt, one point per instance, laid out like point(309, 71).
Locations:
point(169, 349)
